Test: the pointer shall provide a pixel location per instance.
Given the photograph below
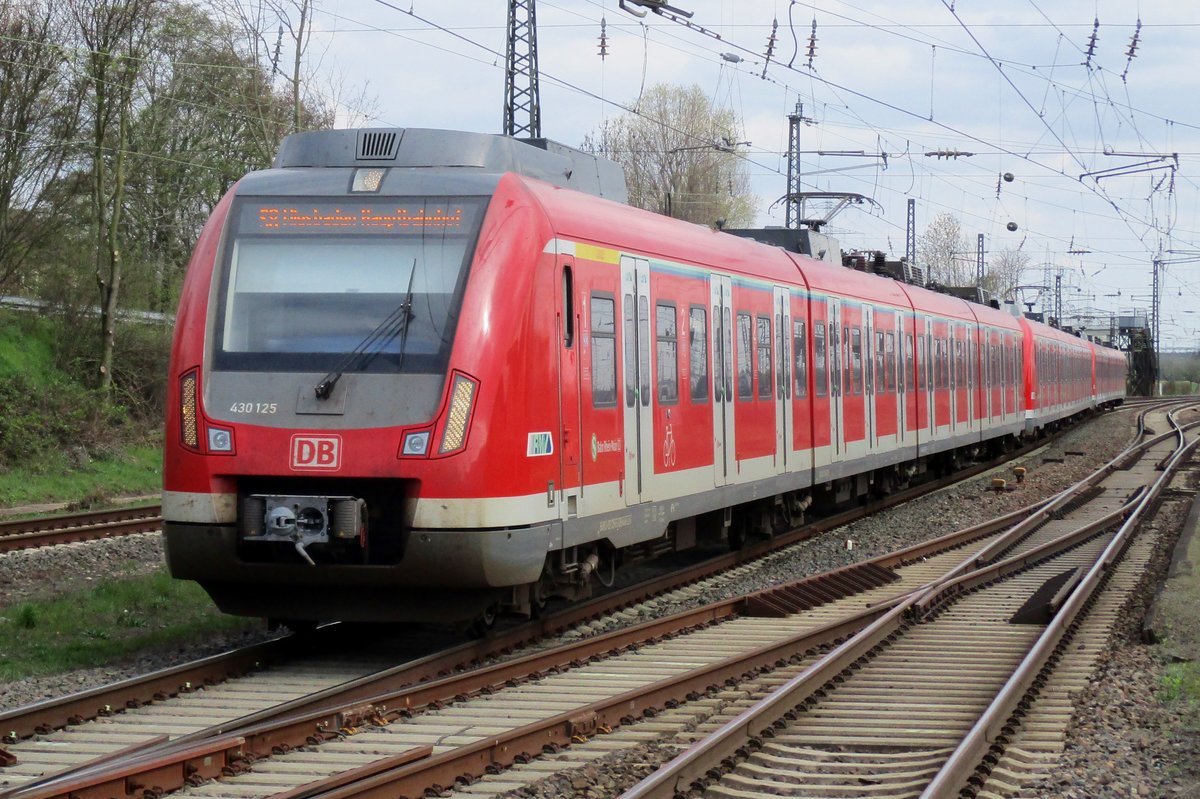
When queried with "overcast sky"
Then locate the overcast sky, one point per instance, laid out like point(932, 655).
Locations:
point(1010, 81)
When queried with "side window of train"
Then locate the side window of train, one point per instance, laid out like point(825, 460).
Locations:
point(944, 362)
point(781, 359)
point(764, 357)
point(908, 362)
point(890, 362)
point(745, 365)
point(604, 351)
point(847, 362)
point(881, 381)
point(800, 357)
point(820, 374)
point(698, 353)
point(856, 354)
point(922, 363)
point(630, 333)
point(834, 350)
point(718, 372)
point(568, 308)
point(666, 352)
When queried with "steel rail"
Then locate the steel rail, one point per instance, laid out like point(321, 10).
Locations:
point(70, 528)
point(746, 731)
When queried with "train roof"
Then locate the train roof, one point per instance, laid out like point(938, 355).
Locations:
point(582, 217)
point(446, 152)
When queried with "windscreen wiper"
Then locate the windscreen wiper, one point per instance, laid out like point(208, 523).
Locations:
point(378, 338)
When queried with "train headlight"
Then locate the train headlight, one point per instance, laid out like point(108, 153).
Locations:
point(462, 397)
point(188, 410)
point(415, 444)
point(220, 439)
point(369, 179)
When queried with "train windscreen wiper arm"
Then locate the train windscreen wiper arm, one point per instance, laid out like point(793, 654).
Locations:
point(378, 338)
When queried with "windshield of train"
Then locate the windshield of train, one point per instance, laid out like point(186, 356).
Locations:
point(308, 281)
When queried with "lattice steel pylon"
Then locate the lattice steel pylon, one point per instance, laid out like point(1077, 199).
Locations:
point(521, 98)
point(793, 168)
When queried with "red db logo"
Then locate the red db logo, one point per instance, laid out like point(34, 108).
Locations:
point(316, 452)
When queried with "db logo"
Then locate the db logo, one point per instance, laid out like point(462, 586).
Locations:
point(316, 452)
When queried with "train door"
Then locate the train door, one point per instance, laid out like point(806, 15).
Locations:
point(997, 376)
point(929, 374)
point(900, 375)
point(837, 430)
point(968, 376)
point(870, 389)
point(639, 422)
point(784, 413)
point(952, 377)
point(721, 293)
point(962, 409)
point(569, 379)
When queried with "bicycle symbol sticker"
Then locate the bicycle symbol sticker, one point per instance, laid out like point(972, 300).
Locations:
point(669, 448)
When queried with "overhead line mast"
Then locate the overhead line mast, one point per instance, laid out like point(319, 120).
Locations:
point(522, 104)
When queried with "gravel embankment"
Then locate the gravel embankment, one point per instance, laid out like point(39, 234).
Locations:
point(48, 572)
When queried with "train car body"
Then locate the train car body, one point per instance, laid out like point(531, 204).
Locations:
point(429, 384)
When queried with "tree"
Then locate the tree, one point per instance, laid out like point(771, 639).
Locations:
point(1004, 270)
point(38, 115)
point(115, 34)
point(945, 254)
point(680, 157)
point(204, 120)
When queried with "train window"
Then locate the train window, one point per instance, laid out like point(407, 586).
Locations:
point(800, 357)
point(604, 352)
point(666, 352)
point(568, 308)
point(936, 357)
point(847, 362)
point(921, 362)
point(630, 333)
point(727, 353)
point(908, 362)
point(960, 363)
point(890, 362)
point(856, 354)
point(881, 382)
point(782, 369)
point(698, 353)
point(718, 350)
point(764, 357)
point(745, 366)
point(972, 363)
point(943, 346)
point(644, 350)
point(820, 374)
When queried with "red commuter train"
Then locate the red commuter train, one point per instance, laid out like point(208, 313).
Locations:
point(429, 374)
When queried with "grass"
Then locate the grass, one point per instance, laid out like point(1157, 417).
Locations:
point(105, 623)
point(1181, 683)
point(133, 471)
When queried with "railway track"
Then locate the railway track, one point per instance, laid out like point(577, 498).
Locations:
point(71, 528)
point(963, 688)
point(456, 728)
